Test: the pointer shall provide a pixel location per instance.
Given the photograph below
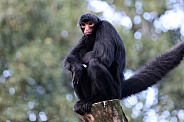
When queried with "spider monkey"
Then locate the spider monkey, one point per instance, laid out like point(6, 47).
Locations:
point(98, 60)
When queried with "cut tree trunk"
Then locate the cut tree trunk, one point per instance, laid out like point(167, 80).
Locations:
point(105, 111)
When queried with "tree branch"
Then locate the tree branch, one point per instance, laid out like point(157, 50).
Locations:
point(105, 111)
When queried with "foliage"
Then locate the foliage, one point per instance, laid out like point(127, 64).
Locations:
point(35, 35)
point(139, 51)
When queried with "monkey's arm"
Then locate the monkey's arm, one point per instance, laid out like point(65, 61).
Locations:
point(73, 60)
point(153, 71)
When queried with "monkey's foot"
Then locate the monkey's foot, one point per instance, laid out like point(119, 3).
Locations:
point(82, 107)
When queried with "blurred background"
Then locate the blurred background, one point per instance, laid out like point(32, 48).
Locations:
point(35, 35)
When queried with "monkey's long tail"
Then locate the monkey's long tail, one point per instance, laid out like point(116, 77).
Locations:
point(153, 71)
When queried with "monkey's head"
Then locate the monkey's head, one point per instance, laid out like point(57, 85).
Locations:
point(88, 23)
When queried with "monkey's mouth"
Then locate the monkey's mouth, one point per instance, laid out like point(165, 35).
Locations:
point(87, 33)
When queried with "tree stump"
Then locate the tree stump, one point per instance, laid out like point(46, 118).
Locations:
point(105, 111)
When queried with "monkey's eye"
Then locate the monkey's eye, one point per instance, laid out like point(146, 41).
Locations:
point(90, 23)
point(83, 25)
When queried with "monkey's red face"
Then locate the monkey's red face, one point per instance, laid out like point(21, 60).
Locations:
point(87, 27)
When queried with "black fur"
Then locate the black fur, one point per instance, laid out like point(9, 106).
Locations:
point(104, 55)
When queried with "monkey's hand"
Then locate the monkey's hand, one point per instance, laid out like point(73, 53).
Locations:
point(82, 107)
point(76, 73)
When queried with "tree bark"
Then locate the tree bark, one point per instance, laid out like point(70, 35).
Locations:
point(105, 111)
